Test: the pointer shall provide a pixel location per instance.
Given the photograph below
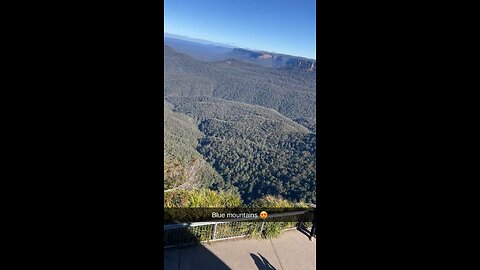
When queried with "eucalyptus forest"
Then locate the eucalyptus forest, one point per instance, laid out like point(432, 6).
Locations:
point(236, 130)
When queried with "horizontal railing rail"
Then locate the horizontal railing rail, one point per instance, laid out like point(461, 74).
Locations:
point(195, 232)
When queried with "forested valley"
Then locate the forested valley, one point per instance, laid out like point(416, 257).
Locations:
point(239, 128)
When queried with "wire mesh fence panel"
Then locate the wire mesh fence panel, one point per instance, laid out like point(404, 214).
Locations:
point(187, 235)
point(233, 229)
point(276, 225)
point(202, 233)
point(194, 233)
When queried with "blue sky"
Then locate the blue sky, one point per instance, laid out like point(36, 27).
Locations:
point(282, 26)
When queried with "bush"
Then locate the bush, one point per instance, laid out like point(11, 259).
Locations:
point(269, 201)
point(202, 198)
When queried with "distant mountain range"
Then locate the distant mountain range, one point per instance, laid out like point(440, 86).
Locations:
point(196, 40)
point(199, 51)
point(210, 51)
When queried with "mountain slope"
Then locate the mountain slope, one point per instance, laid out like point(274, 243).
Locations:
point(288, 91)
point(254, 125)
point(268, 59)
point(255, 149)
point(180, 139)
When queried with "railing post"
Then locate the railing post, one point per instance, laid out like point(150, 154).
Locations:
point(214, 230)
point(181, 236)
point(300, 224)
point(261, 229)
point(166, 237)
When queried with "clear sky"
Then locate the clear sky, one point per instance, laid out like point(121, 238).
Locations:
point(281, 26)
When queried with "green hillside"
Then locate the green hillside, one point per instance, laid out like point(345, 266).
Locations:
point(253, 126)
point(180, 140)
point(290, 91)
point(253, 148)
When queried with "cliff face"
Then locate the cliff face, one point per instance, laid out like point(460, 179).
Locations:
point(309, 65)
point(242, 54)
point(268, 59)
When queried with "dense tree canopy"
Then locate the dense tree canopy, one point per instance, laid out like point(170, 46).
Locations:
point(252, 128)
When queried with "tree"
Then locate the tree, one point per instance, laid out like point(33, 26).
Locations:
point(178, 176)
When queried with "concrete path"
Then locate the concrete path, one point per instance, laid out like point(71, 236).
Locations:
point(292, 250)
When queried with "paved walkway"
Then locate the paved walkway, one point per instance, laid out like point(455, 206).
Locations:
point(292, 250)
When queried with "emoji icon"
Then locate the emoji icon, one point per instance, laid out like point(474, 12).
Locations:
point(263, 215)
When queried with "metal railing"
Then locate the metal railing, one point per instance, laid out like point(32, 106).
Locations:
point(184, 234)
